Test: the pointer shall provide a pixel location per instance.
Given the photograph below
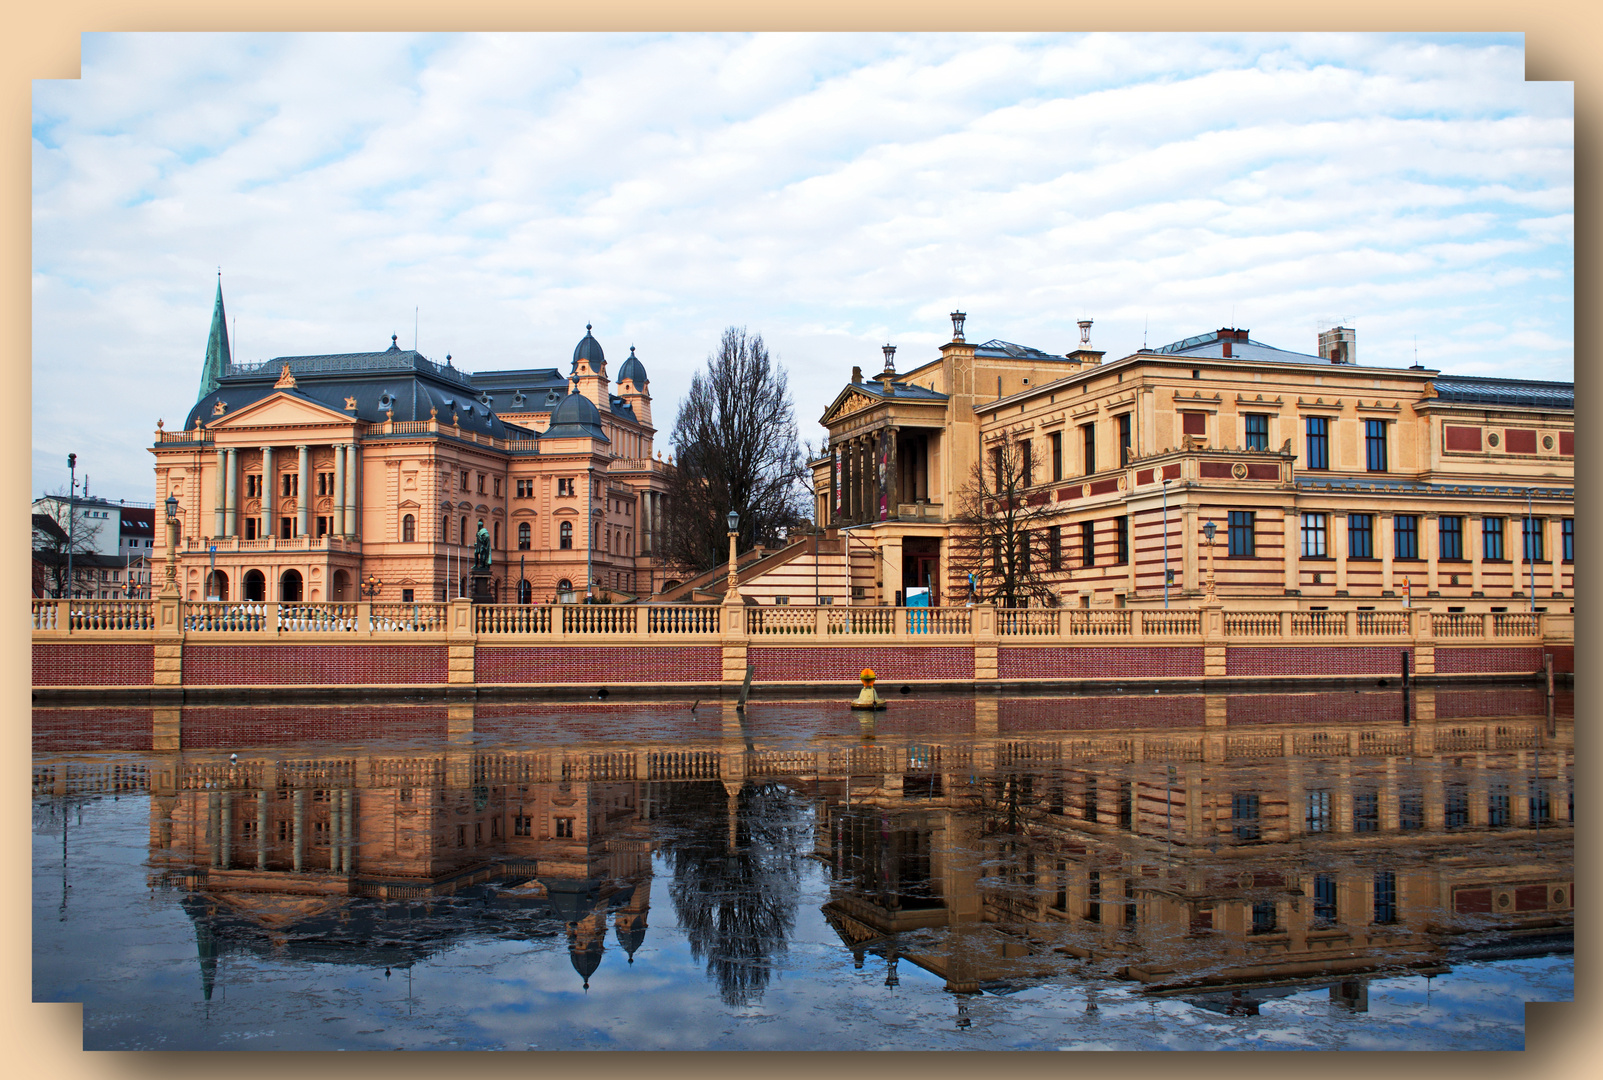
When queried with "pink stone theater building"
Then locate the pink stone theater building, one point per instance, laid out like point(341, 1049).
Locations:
point(318, 478)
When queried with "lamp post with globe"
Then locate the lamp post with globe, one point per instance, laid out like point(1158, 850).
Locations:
point(1208, 530)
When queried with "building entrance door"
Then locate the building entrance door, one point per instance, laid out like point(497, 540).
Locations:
point(921, 566)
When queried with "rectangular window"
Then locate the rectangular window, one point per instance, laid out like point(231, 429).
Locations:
point(464, 480)
point(323, 524)
point(1313, 536)
point(1457, 812)
point(286, 527)
point(1360, 536)
point(1244, 816)
point(1541, 807)
point(1088, 437)
point(498, 487)
point(1318, 816)
point(481, 483)
point(1093, 892)
point(565, 827)
point(253, 486)
point(252, 528)
point(292, 484)
point(1127, 806)
point(1257, 431)
point(1385, 896)
point(1024, 551)
point(1054, 547)
point(1497, 805)
point(1121, 537)
point(1241, 533)
point(1405, 536)
point(407, 595)
point(1026, 464)
point(781, 601)
point(1088, 802)
point(1533, 529)
point(1087, 543)
point(1375, 445)
point(1324, 899)
point(1410, 809)
point(1124, 439)
point(996, 554)
point(1492, 539)
point(998, 483)
point(564, 488)
point(1450, 536)
point(1056, 441)
point(1569, 539)
point(1264, 917)
point(1366, 810)
point(1318, 428)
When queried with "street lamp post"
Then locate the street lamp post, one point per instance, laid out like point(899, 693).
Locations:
point(733, 588)
point(211, 574)
point(1208, 530)
point(72, 516)
point(370, 588)
point(171, 588)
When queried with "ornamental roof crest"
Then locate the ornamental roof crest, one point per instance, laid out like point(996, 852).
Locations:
point(286, 381)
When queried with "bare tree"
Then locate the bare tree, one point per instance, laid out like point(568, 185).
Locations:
point(737, 449)
point(1002, 541)
point(54, 537)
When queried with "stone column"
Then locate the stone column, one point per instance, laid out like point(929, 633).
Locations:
point(231, 505)
point(336, 521)
point(305, 482)
point(893, 476)
point(1188, 548)
point(351, 469)
point(267, 491)
point(261, 830)
point(298, 828)
point(846, 474)
point(1553, 536)
point(1388, 545)
point(1514, 549)
point(221, 502)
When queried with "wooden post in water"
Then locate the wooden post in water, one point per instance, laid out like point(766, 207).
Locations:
point(745, 691)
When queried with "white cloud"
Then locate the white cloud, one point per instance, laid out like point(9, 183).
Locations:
point(830, 191)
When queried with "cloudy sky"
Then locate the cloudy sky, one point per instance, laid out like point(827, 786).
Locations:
point(832, 192)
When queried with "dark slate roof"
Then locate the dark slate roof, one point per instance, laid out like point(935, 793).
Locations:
point(44, 523)
point(1528, 393)
point(397, 380)
point(909, 392)
point(138, 521)
point(633, 369)
point(588, 349)
point(997, 347)
point(538, 390)
point(1209, 347)
point(576, 415)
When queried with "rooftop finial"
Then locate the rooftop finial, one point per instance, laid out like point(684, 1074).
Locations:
point(587, 328)
point(957, 325)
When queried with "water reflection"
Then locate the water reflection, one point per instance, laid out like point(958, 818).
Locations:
point(1227, 850)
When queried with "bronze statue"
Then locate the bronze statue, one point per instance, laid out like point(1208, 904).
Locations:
point(481, 549)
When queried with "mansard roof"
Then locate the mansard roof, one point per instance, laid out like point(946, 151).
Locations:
point(1528, 393)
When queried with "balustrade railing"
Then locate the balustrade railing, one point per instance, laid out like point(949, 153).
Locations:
point(682, 619)
point(863, 620)
point(1176, 622)
point(1084, 622)
point(1515, 624)
point(1318, 624)
point(598, 619)
point(225, 617)
point(767, 621)
point(1381, 623)
point(327, 618)
point(512, 619)
point(1027, 622)
point(420, 618)
point(927, 620)
point(1252, 624)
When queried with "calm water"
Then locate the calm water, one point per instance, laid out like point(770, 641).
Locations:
point(1322, 871)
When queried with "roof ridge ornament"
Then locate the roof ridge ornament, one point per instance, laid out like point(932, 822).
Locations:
point(286, 380)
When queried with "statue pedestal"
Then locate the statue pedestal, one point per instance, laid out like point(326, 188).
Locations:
point(480, 591)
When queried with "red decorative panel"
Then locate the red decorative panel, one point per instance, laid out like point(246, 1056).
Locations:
point(228, 726)
point(1263, 472)
point(77, 730)
point(1530, 898)
point(1065, 494)
point(1097, 712)
point(1461, 438)
point(313, 665)
point(1214, 469)
point(93, 665)
point(892, 663)
point(1171, 472)
point(1472, 901)
point(1519, 440)
point(1103, 487)
point(1487, 660)
point(1194, 423)
point(1316, 660)
point(1036, 498)
point(1106, 662)
point(1323, 708)
point(1566, 443)
point(1143, 476)
point(599, 665)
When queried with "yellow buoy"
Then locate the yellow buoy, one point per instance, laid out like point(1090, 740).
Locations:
point(868, 698)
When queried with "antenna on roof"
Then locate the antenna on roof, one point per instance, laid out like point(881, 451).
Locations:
point(1144, 326)
point(414, 329)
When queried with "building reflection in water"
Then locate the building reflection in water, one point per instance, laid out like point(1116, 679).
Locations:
point(1249, 850)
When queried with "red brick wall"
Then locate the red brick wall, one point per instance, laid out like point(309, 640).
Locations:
point(77, 730)
point(892, 664)
point(1563, 657)
point(1107, 662)
point(93, 665)
point(1328, 708)
point(231, 727)
point(1485, 701)
point(598, 665)
point(1319, 660)
point(313, 665)
point(1489, 659)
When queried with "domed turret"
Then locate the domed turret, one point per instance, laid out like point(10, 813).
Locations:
point(576, 415)
point(633, 370)
point(588, 352)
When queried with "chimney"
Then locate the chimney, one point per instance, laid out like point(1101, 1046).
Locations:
point(857, 374)
point(1339, 345)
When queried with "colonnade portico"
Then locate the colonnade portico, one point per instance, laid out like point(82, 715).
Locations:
point(858, 493)
point(228, 511)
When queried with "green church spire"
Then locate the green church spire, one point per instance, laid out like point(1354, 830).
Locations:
point(217, 357)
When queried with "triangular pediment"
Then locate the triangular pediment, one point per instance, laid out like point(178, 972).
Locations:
point(851, 400)
point(279, 410)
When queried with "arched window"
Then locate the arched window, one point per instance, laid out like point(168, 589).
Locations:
point(408, 529)
point(608, 541)
point(566, 540)
point(255, 585)
point(523, 536)
point(445, 529)
point(496, 543)
point(464, 537)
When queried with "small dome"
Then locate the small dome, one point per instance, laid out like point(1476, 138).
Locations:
point(575, 409)
point(589, 350)
point(634, 370)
